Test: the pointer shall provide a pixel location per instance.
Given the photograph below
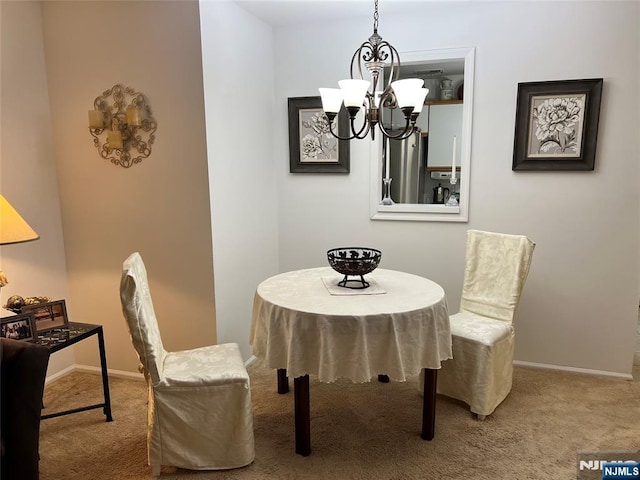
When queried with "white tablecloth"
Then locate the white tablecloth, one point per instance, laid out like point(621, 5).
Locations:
point(299, 326)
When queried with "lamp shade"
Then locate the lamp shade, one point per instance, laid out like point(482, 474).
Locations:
point(406, 91)
point(331, 99)
point(13, 228)
point(421, 94)
point(354, 91)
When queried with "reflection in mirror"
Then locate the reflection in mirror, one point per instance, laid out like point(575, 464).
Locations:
point(427, 174)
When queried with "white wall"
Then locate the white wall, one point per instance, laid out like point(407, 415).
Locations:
point(579, 307)
point(27, 163)
point(237, 52)
point(580, 304)
point(159, 207)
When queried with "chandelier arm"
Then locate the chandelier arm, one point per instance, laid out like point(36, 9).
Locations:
point(357, 54)
point(408, 130)
point(355, 135)
point(366, 126)
point(395, 58)
point(394, 64)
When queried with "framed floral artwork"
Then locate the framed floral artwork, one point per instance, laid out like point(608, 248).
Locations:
point(312, 147)
point(557, 125)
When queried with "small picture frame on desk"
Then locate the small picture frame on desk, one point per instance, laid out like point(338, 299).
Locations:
point(18, 327)
point(48, 315)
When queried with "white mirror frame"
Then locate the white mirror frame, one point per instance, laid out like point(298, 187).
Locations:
point(430, 212)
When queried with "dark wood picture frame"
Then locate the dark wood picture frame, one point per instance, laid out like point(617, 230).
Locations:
point(19, 327)
point(316, 139)
point(48, 315)
point(557, 125)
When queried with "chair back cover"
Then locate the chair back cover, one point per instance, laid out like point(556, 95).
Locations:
point(496, 268)
point(137, 308)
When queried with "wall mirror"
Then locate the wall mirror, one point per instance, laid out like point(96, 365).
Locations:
point(421, 167)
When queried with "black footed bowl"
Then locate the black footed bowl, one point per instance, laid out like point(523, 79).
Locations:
point(354, 261)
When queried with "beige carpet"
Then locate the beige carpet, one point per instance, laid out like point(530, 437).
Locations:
point(369, 431)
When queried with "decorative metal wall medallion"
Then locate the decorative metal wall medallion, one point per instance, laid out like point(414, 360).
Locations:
point(122, 126)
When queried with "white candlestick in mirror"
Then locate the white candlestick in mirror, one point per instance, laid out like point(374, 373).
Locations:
point(386, 159)
point(453, 180)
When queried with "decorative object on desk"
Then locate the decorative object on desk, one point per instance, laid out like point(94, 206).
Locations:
point(312, 148)
point(48, 315)
point(557, 125)
point(13, 229)
point(406, 95)
point(18, 327)
point(122, 126)
point(16, 302)
point(354, 261)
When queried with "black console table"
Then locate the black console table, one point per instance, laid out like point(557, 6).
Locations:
point(60, 338)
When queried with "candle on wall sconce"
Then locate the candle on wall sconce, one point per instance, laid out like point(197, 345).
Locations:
point(134, 116)
point(122, 126)
point(114, 139)
point(96, 119)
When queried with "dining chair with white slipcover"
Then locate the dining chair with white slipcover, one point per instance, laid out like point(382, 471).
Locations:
point(481, 371)
point(199, 410)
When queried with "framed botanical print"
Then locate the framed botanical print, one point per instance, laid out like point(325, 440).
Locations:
point(312, 147)
point(557, 125)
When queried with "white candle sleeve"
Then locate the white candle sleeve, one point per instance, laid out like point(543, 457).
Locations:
point(453, 161)
point(386, 155)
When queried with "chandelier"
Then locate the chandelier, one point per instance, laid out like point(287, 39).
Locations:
point(407, 95)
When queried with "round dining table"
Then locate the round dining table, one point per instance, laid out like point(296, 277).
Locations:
point(305, 324)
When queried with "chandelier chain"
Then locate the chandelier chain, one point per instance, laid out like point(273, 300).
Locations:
point(375, 17)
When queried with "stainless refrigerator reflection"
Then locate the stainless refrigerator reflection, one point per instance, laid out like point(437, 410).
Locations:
point(406, 169)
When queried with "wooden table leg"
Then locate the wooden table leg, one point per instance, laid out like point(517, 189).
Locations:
point(302, 415)
point(429, 404)
point(283, 381)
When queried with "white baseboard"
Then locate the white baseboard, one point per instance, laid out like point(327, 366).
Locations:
point(253, 359)
point(60, 374)
point(110, 372)
point(587, 371)
point(94, 370)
